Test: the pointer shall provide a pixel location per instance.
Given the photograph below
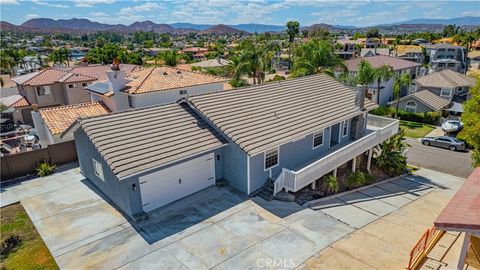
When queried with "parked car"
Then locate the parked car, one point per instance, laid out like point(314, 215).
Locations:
point(444, 142)
point(452, 126)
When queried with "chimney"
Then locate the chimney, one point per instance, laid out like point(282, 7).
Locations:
point(360, 97)
point(116, 83)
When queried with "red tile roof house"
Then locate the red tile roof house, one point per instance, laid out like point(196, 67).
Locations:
point(62, 86)
point(21, 108)
point(152, 86)
point(399, 66)
point(63, 89)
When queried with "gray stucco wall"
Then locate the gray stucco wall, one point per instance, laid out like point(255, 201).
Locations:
point(119, 192)
point(235, 167)
point(76, 94)
point(291, 156)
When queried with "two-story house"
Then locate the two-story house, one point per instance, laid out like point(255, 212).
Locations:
point(62, 86)
point(292, 132)
point(446, 56)
point(399, 66)
point(443, 90)
point(145, 87)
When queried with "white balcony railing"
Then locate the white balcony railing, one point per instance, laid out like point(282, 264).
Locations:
point(381, 128)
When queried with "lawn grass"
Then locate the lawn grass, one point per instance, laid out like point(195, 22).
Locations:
point(31, 252)
point(414, 129)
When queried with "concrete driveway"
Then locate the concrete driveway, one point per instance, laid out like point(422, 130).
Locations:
point(215, 228)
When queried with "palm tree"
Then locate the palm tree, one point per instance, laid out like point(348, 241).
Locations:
point(316, 56)
point(400, 81)
point(255, 59)
point(365, 74)
point(382, 73)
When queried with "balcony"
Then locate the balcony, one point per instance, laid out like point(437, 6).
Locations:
point(379, 129)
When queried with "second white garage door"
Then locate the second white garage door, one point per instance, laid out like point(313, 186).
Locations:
point(176, 182)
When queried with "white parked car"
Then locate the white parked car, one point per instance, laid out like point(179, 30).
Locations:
point(452, 126)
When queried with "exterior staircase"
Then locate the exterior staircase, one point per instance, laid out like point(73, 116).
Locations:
point(266, 192)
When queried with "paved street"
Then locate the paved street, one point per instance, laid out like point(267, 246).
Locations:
point(220, 228)
point(439, 159)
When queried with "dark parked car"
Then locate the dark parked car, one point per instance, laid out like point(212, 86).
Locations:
point(444, 142)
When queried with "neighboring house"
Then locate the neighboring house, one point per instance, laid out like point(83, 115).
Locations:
point(410, 52)
point(447, 84)
point(399, 66)
point(54, 124)
point(155, 51)
point(349, 48)
point(474, 59)
point(21, 109)
point(197, 53)
point(420, 102)
point(447, 56)
point(152, 86)
point(366, 52)
point(61, 86)
point(372, 42)
point(299, 129)
point(212, 63)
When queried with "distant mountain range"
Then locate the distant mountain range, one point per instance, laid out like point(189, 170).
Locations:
point(85, 25)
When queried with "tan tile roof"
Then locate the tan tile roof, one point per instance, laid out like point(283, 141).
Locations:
point(165, 78)
point(261, 117)
point(14, 101)
point(70, 75)
point(428, 98)
point(141, 139)
point(379, 60)
point(445, 79)
point(58, 119)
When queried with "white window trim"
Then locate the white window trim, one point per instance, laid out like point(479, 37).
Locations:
point(343, 125)
point(449, 92)
point(100, 174)
point(265, 158)
point(414, 108)
point(323, 139)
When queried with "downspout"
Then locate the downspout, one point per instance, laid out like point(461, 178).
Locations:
point(248, 175)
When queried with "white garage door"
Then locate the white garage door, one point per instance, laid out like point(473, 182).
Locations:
point(176, 182)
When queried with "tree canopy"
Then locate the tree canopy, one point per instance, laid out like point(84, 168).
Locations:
point(471, 120)
point(293, 28)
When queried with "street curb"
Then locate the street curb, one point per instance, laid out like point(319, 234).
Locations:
point(307, 204)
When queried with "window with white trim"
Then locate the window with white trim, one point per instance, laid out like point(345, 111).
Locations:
point(43, 90)
point(446, 92)
point(271, 158)
point(98, 169)
point(317, 139)
point(345, 128)
point(411, 106)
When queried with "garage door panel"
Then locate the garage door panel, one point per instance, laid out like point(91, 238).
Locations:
point(173, 183)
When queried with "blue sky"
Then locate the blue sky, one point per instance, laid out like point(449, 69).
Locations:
point(307, 12)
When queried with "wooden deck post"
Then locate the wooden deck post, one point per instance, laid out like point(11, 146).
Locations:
point(463, 252)
point(335, 172)
point(314, 184)
point(369, 161)
point(354, 164)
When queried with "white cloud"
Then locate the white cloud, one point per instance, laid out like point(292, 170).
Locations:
point(31, 16)
point(49, 4)
point(9, 2)
point(98, 14)
point(147, 7)
point(91, 3)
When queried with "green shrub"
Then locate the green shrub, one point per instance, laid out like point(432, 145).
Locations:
point(358, 179)
point(277, 78)
point(391, 160)
point(45, 168)
point(332, 184)
point(431, 118)
point(383, 111)
point(238, 82)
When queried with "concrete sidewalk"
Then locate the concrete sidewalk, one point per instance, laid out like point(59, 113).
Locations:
point(386, 242)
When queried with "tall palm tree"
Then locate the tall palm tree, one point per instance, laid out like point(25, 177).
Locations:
point(365, 74)
point(382, 73)
point(255, 59)
point(400, 81)
point(316, 56)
